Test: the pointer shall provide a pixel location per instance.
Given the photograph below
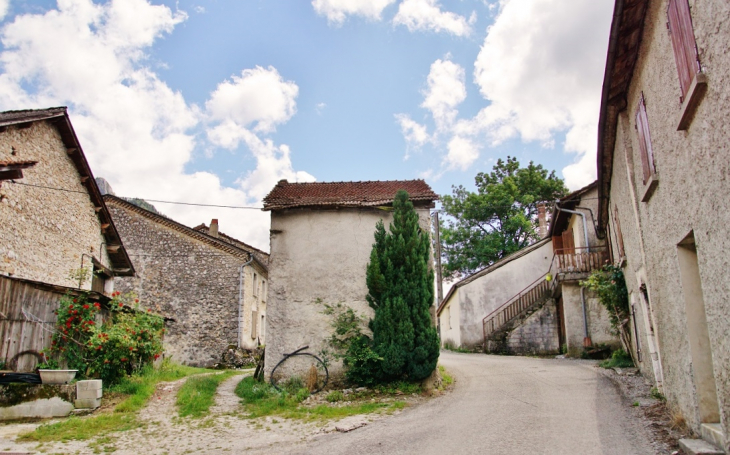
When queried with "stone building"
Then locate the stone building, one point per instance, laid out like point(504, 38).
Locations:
point(530, 302)
point(213, 291)
point(53, 223)
point(321, 239)
point(663, 185)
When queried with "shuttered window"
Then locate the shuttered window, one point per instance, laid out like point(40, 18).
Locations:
point(683, 42)
point(642, 129)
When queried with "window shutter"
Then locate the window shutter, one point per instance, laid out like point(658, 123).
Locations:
point(557, 243)
point(642, 128)
point(683, 42)
point(568, 242)
point(254, 320)
point(619, 235)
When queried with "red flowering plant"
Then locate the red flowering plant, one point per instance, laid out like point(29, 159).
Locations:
point(109, 348)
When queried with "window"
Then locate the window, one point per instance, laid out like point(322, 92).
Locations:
point(692, 81)
point(254, 329)
point(683, 42)
point(255, 284)
point(263, 290)
point(642, 128)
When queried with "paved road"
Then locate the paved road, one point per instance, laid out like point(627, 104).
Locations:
point(504, 405)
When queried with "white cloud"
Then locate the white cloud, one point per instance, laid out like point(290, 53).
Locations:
point(336, 11)
point(137, 132)
point(260, 96)
point(419, 15)
point(445, 91)
point(541, 66)
point(462, 153)
point(4, 6)
point(540, 69)
point(414, 133)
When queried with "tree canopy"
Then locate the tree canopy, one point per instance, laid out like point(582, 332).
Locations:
point(498, 219)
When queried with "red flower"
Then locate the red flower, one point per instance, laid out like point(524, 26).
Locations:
point(120, 304)
point(106, 361)
point(131, 348)
point(157, 356)
point(90, 322)
point(136, 300)
point(86, 306)
point(70, 307)
point(97, 305)
point(98, 347)
point(123, 359)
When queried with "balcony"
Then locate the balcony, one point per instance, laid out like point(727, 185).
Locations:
point(580, 260)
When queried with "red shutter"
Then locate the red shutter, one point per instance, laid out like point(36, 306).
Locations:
point(683, 42)
point(557, 243)
point(642, 128)
point(568, 242)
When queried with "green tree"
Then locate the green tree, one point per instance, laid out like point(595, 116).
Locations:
point(400, 287)
point(498, 219)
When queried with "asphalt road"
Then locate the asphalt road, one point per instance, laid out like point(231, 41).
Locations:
point(504, 405)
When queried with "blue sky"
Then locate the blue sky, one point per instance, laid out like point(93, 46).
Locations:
point(214, 101)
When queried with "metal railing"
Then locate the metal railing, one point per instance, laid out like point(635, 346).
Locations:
point(579, 260)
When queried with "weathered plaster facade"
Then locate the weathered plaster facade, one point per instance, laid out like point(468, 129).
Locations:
point(476, 296)
point(193, 279)
point(319, 254)
point(675, 240)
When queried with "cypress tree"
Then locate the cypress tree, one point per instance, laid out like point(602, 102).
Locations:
point(400, 290)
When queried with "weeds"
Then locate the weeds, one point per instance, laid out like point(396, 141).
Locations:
point(335, 396)
point(657, 395)
point(197, 395)
point(619, 359)
point(446, 378)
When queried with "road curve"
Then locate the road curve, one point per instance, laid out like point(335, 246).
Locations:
point(504, 405)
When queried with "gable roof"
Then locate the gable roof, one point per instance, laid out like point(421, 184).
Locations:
point(121, 265)
point(263, 256)
point(623, 52)
point(222, 245)
point(490, 268)
point(346, 194)
point(559, 220)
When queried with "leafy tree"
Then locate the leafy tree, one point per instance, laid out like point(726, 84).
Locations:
point(498, 219)
point(400, 285)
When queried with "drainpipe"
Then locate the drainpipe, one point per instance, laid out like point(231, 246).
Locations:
point(241, 277)
point(585, 226)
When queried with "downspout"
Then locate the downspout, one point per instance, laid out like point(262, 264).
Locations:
point(586, 339)
point(241, 279)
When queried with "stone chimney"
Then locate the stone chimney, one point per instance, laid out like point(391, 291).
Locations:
point(541, 222)
point(213, 231)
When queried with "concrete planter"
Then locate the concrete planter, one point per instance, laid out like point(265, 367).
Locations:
point(57, 376)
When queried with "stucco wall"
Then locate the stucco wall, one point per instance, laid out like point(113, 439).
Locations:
point(589, 200)
point(189, 280)
point(45, 232)
point(317, 256)
point(599, 326)
point(484, 294)
point(692, 168)
point(449, 321)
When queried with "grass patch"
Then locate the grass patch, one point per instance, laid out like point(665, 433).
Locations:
point(261, 399)
point(399, 388)
point(138, 389)
point(446, 378)
point(619, 359)
point(197, 395)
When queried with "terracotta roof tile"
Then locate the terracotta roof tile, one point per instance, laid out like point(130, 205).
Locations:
point(345, 194)
point(30, 115)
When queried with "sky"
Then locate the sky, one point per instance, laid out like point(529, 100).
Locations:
point(214, 101)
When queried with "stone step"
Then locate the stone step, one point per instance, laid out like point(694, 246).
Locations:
point(698, 447)
point(712, 433)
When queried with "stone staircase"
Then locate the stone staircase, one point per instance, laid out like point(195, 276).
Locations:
point(501, 322)
point(710, 444)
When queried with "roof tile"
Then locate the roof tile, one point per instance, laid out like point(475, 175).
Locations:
point(345, 194)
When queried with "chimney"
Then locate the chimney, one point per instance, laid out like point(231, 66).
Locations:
point(213, 231)
point(541, 224)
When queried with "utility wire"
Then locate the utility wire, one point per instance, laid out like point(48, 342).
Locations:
point(254, 208)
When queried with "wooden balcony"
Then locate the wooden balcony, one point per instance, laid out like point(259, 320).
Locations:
point(579, 260)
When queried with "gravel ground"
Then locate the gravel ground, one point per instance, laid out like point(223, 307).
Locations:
point(498, 405)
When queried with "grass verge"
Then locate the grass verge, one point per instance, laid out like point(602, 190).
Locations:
point(619, 359)
point(197, 395)
point(446, 378)
point(261, 399)
point(138, 389)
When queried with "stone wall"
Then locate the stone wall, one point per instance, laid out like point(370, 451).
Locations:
point(317, 257)
point(537, 334)
point(690, 200)
point(599, 326)
point(189, 277)
point(45, 232)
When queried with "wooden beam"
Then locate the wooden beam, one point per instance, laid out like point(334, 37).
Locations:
point(105, 226)
point(71, 150)
point(97, 209)
point(113, 248)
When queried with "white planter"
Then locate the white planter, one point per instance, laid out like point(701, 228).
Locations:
point(57, 376)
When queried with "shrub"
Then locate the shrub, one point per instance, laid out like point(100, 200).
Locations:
point(335, 396)
point(619, 359)
point(119, 346)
